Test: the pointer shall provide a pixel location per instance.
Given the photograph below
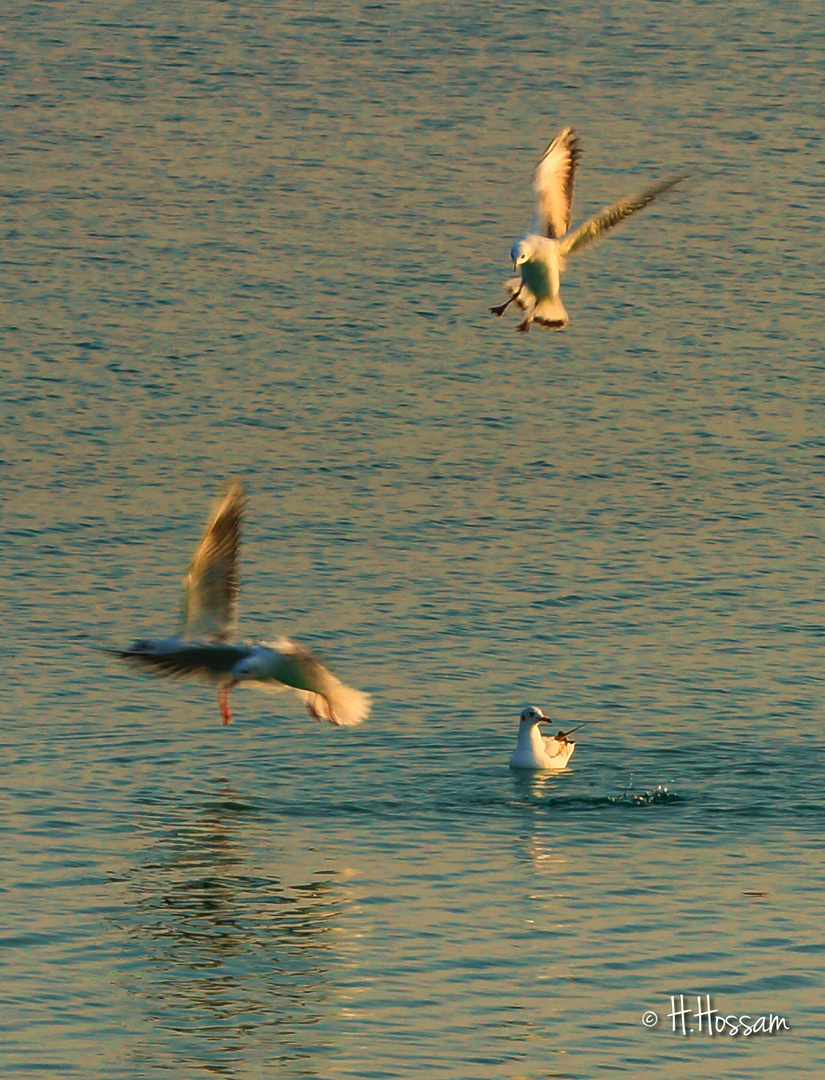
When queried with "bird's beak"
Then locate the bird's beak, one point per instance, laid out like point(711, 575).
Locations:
point(515, 265)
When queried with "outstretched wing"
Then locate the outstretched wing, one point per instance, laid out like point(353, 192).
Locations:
point(211, 583)
point(183, 659)
point(553, 184)
point(325, 696)
point(612, 215)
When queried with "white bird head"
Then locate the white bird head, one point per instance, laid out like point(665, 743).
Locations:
point(531, 716)
point(520, 252)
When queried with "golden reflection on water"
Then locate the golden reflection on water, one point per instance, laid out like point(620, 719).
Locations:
point(234, 954)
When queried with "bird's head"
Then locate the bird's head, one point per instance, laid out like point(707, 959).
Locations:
point(531, 716)
point(520, 252)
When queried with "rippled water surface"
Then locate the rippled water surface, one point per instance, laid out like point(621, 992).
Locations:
point(261, 240)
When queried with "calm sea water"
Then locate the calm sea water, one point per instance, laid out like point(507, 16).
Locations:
point(259, 241)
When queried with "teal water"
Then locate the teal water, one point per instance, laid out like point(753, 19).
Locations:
point(240, 241)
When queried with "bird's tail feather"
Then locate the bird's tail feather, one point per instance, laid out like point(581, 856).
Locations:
point(339, 704)
point(550, 311)
point(342, 705)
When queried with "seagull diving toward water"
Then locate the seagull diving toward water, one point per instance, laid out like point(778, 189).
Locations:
point(540, 255)
point(204, 647)
point(537, 751)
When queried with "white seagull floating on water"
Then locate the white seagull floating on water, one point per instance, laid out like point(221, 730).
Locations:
point(540, 255)
point(537, 751)
point(204, 647)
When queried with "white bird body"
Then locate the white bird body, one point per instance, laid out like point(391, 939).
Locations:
point(536, 751)
point(204, 648)
point(537, 289)
point(540, 254)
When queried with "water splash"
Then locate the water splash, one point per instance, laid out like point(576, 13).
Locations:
point(629, 797)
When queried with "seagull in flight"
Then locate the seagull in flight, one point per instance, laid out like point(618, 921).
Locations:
point(536, 751)
point(540, 255)
point(205, 649)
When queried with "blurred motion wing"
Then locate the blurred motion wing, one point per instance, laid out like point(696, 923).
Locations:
point(325, 696)
point(611, 216)
point(211, 583)
point(183, 659)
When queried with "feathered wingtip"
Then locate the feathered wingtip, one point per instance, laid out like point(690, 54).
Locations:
point(135, 651)
point(612, 215)
point(553, 183)
point(107, 650)
point(139, 654)
point(227, 512)
point(211, 584)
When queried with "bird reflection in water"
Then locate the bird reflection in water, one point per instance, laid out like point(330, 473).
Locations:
point(534, 786)
point(232, 962)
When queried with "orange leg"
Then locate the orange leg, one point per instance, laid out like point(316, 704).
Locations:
point(223, 701)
